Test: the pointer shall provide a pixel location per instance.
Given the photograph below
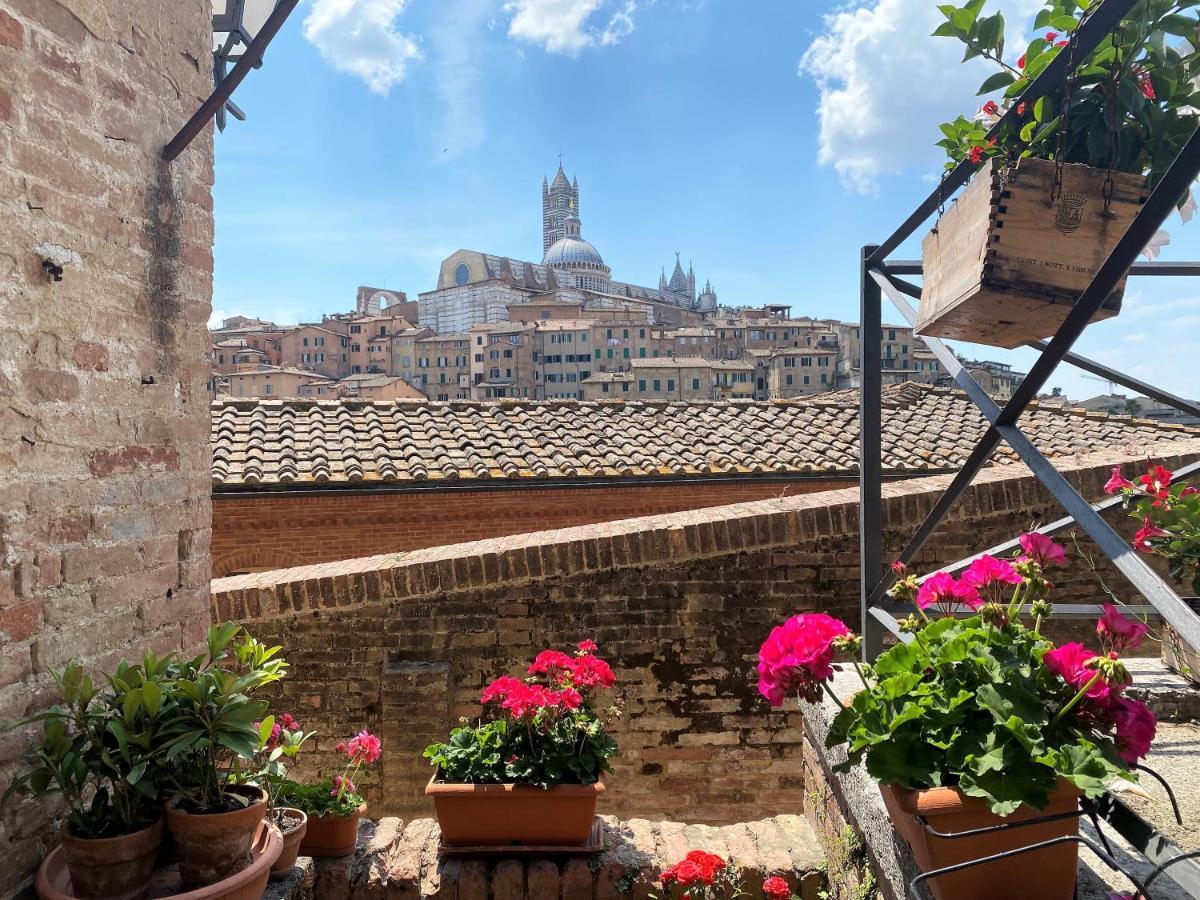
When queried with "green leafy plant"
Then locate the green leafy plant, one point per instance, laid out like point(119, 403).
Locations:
point(212, 734)
point(280, 741)
point(99, 749)
point(546, 729)
point(1132, 103)
point(1169, 511)
point(983, 703)
point(320, 798)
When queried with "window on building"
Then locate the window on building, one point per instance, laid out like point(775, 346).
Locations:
point(604, 387)
point(695, 384)
point(805, 362)
point(354, 370)
point(670, 384)
point(319, 342)
point(355, 348)
point(305, 341)
point(824, 378)
point(657, 385)
point(789, 378)
point(462, 274)
point(642, 385)
point(267, 389)
point(320, 357)
point(806, 379)
point(356, 329)
point(891, 334)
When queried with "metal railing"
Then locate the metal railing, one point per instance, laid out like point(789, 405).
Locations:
point(881, 277)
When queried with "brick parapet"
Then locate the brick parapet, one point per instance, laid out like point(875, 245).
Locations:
point(403, 643)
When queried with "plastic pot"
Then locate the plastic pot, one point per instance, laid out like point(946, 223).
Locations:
point(1047, 874)
point(492, 815)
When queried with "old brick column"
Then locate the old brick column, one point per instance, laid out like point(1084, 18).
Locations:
point(104, 460)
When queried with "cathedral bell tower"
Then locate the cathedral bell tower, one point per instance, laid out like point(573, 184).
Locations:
point(560, 201)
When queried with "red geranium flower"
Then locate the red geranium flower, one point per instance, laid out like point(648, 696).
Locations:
point(988, 576)
point(1043, 550)
point(798, 655)
point(1136, 727)
point(943, 589)
point(1071, 663)
point(776, 888)
point(1122, 633)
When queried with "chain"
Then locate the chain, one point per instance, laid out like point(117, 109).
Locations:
point(1111, 144)
point(1064, 117)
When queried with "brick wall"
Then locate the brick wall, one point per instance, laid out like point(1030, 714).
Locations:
point(680, 602)
point(255, 531)
point(104, 422)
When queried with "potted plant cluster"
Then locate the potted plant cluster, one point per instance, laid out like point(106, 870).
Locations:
point(165, 739)
point(280, 740)
point(1169, 512)
point(978, 721)
point(533, 771)
point(332, 805)
point(1063, 177)
point(97, 753)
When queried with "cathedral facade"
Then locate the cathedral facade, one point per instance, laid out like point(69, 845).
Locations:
point(475, 288)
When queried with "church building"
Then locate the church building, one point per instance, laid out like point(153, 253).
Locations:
point(475, 288)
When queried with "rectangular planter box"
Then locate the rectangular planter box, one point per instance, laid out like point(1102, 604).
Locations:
point(1047, 874)
point(487, 815)
point(1003, 266)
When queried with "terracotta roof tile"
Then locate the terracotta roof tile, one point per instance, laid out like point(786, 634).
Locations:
point(327, 443)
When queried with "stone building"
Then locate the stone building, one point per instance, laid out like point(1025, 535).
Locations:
point(104, 463)
point(270, 381)
point(442, 366)
point(502, 360)
point(324, 349)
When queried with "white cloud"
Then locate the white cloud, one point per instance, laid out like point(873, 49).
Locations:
point(360, 37)
point(564, 26)
point(885, 84)
point(456, 41)
point(620, 25)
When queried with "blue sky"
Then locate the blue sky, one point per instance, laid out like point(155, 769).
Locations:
point(765, 140)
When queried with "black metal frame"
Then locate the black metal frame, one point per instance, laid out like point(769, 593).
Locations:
point(881, 277)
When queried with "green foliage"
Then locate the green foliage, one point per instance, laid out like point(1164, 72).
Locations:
point(212, 733)
point(318, 799)
point(970, 705)
point(1139, 84)
point(99, 748)
point(569, 748)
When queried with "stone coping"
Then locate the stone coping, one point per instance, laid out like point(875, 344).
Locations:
point(646, 541)
point(397, 859)
point(889, 856)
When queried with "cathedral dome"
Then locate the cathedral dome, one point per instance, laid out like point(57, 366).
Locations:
point(572, 251)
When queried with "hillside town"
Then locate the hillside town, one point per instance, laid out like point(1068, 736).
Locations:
point(501, 328)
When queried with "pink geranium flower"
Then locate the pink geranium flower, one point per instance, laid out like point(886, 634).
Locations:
point(341, 783)
point(1070, 662)
point(364, 748)
point(943, 589)
point(1043, 550)
point(552, 663)
point(1117, 631)
point(991, 577)
point(798, 655)
point(587, 646)
point(1136, 727)
point(591, 671)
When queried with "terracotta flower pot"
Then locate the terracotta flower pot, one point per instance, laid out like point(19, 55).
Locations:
point(213, 846)
point(1047, 874)
point(490, 815)
point(54, 879)
point(117, 867)
point(332, 836)
point(291, 840)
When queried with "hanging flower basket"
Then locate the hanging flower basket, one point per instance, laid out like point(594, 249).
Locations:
point(1062, 178)
point(1005, 265)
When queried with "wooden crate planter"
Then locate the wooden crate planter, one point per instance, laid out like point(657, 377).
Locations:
point(1004, 266)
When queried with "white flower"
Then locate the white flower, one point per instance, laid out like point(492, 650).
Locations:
point(1152, 249)
point(1188, 210)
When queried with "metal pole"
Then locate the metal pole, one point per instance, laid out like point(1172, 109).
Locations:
point(251, 59)
point(870, 448)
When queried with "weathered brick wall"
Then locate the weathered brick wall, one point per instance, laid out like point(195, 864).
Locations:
point(104, 463)
point(269, 531)
point(403, 643)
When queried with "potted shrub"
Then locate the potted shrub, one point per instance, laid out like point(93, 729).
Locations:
point(280, 742)
point(210, 737)
point(97, 753)
point(1062, 179)
point(332, 805)
point(1170, 515)
point(533, 772)
point(980, 720)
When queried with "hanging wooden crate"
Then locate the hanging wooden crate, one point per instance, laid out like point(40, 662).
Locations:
point(1004, 266)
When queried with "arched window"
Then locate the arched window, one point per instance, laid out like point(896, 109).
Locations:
point(462, 274)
